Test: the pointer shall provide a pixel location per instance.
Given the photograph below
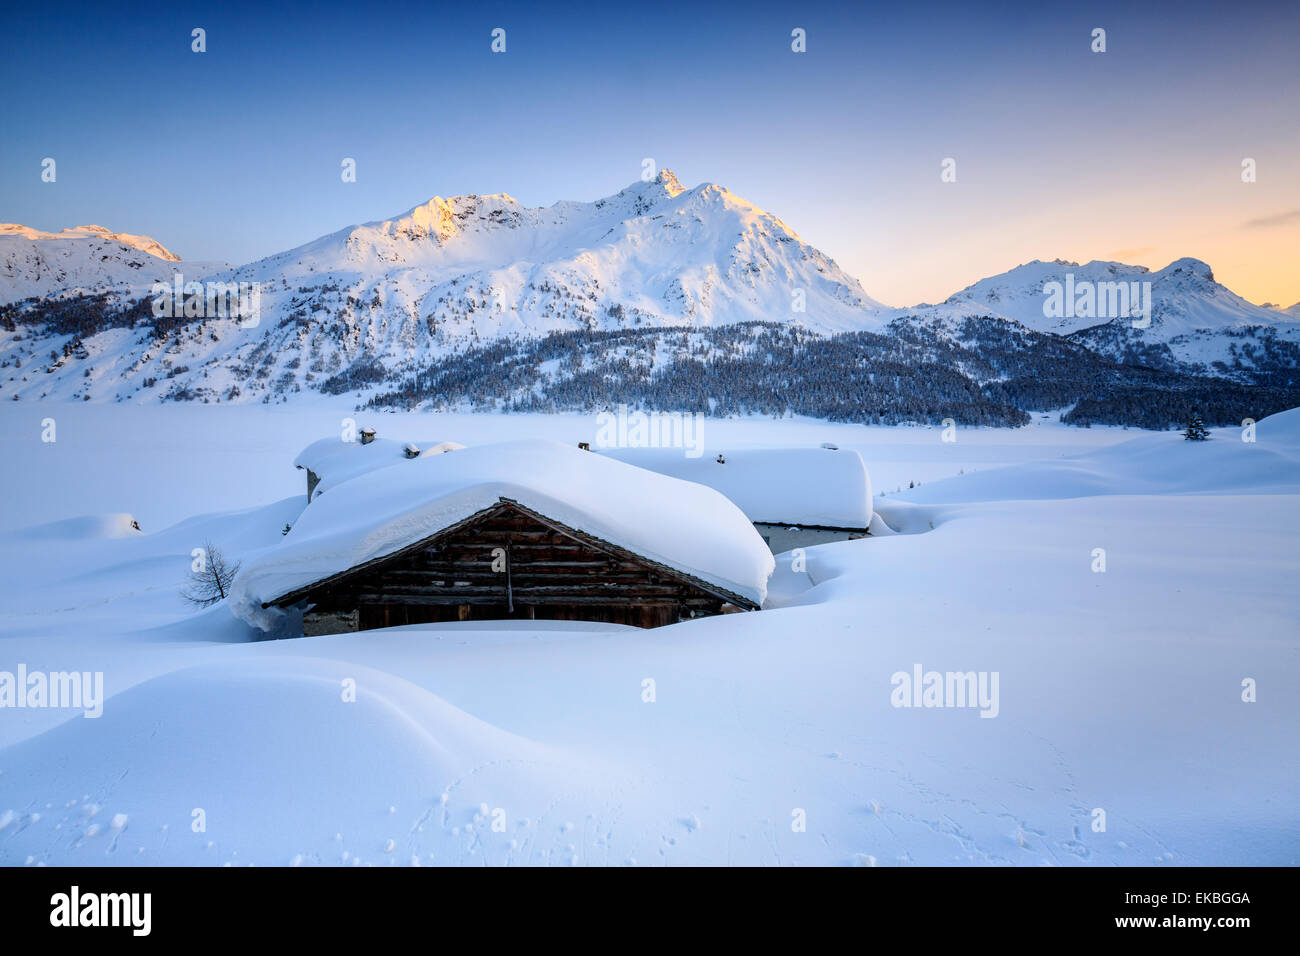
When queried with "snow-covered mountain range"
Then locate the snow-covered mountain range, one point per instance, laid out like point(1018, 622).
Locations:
point(372, 305)
point(1184, 297)
point(1191, 321)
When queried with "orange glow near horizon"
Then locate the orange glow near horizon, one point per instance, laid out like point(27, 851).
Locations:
point(943, 238)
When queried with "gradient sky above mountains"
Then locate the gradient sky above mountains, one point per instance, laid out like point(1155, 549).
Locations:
point(1134, 154)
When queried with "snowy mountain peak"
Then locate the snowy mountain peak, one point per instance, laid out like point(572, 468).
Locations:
point(442, 219)
point(145, 244)
point(669, 181)
point(83, 260)
point(1184, 296)
point(478, 266)
point(1175, 316)
point(644, 195)
point(1189, 271)
point(663, 185)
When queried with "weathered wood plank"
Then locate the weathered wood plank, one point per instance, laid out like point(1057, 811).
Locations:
point(499, 599)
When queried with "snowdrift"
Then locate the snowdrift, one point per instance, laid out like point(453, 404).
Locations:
point(397, 775)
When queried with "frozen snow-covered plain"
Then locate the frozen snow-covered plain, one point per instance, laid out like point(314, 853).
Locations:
point(534, 744)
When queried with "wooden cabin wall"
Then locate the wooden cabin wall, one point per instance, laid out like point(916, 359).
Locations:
point(392, 615)
point(551, 577)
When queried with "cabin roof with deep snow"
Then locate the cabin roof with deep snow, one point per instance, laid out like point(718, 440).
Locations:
point(684, 526)
point(807, 487)
point(334, 460)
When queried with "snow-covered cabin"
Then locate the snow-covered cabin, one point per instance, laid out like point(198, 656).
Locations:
point(530, 529)
point(331, 461)
point(796, 497)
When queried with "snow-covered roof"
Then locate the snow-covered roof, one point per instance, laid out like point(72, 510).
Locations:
point(334, 460)
point(683, 526)
point(808, 487)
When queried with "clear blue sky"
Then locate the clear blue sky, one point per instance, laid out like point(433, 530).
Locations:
point(234, 153)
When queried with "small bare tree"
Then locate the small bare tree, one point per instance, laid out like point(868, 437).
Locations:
point(210, 576)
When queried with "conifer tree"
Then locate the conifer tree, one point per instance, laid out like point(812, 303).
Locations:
point(1196, 430)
